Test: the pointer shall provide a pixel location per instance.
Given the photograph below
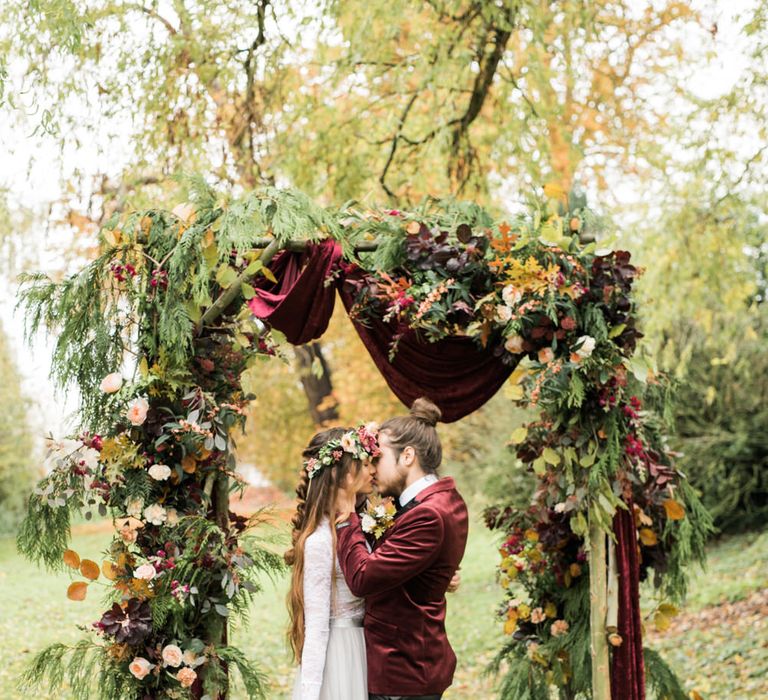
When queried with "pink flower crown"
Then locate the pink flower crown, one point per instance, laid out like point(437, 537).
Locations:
point(361, 443)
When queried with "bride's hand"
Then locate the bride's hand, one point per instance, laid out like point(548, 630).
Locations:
point(453, 586)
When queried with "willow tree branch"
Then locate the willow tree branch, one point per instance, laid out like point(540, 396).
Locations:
point(228, 295)
point(271, 248)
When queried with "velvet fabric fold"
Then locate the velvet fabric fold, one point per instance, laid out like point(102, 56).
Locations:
point(300, 303)
point(453, 372)
point(627, 665)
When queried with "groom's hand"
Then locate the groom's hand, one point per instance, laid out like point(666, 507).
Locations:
point(453, 586)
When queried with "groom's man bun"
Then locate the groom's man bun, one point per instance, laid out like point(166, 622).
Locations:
point(424, 410)
point(417, 430)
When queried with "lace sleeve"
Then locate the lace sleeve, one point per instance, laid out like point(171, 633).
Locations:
point(318, 564)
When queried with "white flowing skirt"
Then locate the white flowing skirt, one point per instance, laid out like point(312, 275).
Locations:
point(345, 676)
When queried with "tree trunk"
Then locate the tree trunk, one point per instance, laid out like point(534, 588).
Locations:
point(316, 379)
point(598, 608)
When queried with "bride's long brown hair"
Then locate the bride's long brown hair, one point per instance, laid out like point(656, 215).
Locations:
point(316, 500)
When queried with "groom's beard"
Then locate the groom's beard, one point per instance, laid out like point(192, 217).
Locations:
point(393, 489)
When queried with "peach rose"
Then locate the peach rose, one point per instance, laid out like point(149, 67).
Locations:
point(559, 627)
point(186, 677)
point(172, 655)
point(140, 667)
point(546, 356)
point(111, 383)
point(514, 344)
point(137, 411)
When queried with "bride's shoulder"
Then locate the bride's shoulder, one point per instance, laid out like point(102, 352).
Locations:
point(321, 536)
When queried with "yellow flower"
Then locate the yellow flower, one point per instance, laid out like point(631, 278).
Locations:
point(510, 626)
point(575, 570)
point(524, 612)
point(550, 610)
point(531, 535)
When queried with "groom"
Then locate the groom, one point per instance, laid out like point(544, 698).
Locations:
point(405, 577)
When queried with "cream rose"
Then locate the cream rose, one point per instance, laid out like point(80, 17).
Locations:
point(348, 442)
point(134, 506)
point(155, 514)
point(186, 677)
point(137, 411)
point(367, 523)
point(171, 517)
point(111, 383)
point(514, 344)
point(146, 572)
point(172, 655)
point(160, 472)
point(585, 346)
point(89, 457)
point(140, 667)
point(511, 295)
point(503, 313)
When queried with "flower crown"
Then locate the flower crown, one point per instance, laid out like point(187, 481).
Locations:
point(361, 443)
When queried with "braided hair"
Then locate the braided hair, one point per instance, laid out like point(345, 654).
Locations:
point(316, 499)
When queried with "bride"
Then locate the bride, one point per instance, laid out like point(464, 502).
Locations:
point(326, 620)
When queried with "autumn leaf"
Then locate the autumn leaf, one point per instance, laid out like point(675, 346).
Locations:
point(554, 190)
point(109, 570)
point(89, 569)
point(675, 510)
point(189, 464)
point(72, 559)
point(518, 435)
point(77, 590)
point(648, 537)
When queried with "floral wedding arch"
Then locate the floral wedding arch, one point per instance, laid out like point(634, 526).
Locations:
point(450, 304)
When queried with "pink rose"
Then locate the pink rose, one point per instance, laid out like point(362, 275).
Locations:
point(111, 383)
point(172, 655)
point(146, 572)
point(514, 344)
point(140, 667)
point(186, 677)
point(559, 627)
point(137, 411)
point(537, 616)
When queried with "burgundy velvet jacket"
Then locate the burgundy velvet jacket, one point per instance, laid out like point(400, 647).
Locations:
point(404, 581)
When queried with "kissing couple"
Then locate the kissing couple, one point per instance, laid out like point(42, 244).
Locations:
point(367, 598)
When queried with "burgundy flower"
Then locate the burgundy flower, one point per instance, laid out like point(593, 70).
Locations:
point(128, 625)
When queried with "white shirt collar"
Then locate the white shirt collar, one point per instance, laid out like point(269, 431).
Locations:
point(416, 488)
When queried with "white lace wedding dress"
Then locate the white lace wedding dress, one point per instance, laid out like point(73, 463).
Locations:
point(333, 660)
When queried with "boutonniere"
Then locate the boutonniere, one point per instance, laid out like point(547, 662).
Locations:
point(378, 516)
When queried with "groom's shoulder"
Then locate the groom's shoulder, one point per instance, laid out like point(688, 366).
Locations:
point(443, 488)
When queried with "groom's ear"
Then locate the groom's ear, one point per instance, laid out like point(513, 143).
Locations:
point(408, 455)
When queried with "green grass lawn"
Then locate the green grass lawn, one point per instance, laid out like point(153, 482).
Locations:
point(727, 661)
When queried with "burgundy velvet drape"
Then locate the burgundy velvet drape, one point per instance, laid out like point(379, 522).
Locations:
point(453, 373)
point(627, 666)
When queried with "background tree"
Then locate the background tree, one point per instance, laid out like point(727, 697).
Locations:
point(398, 100)
point(18, 470)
